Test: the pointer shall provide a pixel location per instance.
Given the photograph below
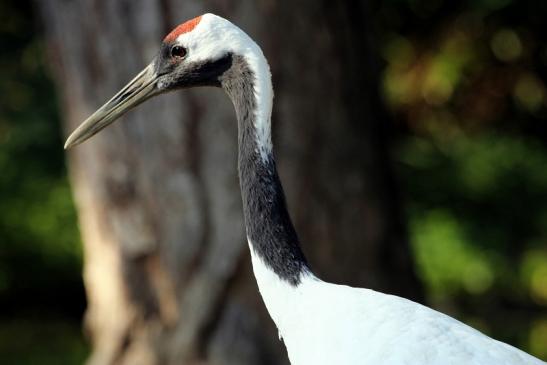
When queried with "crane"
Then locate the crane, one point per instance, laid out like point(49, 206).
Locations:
point(319, 322)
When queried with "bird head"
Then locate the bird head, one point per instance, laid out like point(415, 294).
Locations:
point(196, 53)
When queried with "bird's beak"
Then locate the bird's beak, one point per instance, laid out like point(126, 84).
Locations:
point(141, 88)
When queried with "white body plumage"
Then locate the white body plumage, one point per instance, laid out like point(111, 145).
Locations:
point(324, 324)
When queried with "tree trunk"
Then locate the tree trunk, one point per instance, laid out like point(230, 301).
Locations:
point(167, 270)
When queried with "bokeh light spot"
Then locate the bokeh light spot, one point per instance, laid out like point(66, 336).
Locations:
point(506, 45)
point(529, 92)
point(538, 338)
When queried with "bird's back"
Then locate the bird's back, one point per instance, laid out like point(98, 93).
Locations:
point(336, 324)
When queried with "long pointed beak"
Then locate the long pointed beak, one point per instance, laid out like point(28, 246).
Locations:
point(141, 88)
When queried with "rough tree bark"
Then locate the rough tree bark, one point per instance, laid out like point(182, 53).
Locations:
point(167, 272)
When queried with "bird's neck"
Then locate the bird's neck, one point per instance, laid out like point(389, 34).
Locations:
point(272, 238)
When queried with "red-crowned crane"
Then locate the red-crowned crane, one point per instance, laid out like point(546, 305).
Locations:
point(320, 323)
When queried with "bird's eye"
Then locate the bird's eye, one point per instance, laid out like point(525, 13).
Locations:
point(178, 52)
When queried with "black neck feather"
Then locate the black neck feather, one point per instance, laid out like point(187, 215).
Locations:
point(269, 227)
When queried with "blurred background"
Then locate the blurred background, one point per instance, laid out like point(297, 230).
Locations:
point(411, 133)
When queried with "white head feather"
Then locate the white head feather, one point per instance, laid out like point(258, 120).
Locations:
point(210, 37)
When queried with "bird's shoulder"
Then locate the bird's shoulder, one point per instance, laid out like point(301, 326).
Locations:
point(393, 329)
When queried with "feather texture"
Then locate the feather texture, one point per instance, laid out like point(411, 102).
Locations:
point(323, 323)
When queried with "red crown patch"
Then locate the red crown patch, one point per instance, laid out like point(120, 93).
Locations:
point(182, 28)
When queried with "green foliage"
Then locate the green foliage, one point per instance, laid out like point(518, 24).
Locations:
point(469, 94)
point(41, 341)
point(448, 262)
point(40, 254)
point(484, 199)
point(36, 210)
